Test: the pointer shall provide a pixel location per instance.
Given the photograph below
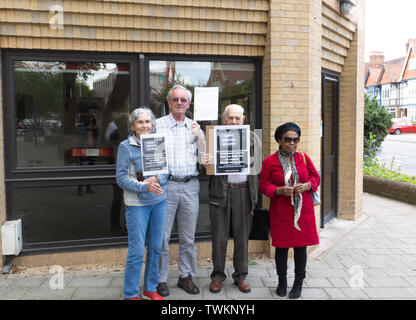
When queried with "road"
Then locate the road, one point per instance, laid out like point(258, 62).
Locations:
point(403, 149)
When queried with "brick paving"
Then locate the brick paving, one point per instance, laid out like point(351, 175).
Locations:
point(371, 258)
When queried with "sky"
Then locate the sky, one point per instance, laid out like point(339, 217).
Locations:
point(389, 24)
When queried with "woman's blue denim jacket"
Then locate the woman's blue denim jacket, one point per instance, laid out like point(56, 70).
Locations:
point(129, 162)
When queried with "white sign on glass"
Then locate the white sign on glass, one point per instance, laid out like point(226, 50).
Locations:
point(205, 103)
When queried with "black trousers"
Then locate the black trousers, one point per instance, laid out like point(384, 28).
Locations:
point(300, 262)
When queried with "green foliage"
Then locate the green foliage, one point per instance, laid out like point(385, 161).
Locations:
point(388, 172)
point(252, 262)
point(377, 121)
point(157, 100)
point(41, 93)
point(373, 167)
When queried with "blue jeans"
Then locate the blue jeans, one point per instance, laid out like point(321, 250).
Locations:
point(139, 220)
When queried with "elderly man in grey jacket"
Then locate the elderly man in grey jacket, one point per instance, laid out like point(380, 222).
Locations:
point(232, 199)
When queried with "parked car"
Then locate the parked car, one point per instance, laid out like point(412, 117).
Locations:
point(402, 127)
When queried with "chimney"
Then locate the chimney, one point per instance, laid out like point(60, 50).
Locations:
point(410, 42)
point(376, 58)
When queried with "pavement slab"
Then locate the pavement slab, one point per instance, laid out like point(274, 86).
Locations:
point(371, 258)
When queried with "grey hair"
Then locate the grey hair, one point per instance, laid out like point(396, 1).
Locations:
point(178, 86)
point(136, 114)
point(240, 108)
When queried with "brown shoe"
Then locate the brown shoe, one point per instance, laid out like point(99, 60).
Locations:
point(162, 289)
point(243, 286)
point(188, 285)
point(215, 286)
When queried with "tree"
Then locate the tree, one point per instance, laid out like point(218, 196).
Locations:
point(377, 122)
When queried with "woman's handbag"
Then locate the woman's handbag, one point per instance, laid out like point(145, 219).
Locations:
point(315, 195)
point(260, 226)
point(316, 198)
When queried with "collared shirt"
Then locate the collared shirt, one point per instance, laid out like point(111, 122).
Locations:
point(182, 150)
point(133, 139)
point(237, 178)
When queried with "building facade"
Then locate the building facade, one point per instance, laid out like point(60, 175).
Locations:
point(71, 71)
point(393, 83)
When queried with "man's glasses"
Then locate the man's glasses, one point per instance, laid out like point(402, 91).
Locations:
point(289, 140)
point(182, 100)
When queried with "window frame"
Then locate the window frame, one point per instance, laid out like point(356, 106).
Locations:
point(12, 172)
point(257, 61)
point(24, 177)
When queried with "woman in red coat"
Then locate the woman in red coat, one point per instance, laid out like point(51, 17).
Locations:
point(288, 182)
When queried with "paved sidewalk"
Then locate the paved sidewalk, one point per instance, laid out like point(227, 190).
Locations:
point(372, 258)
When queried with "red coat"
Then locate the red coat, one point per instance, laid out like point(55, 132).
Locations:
point(282, 230)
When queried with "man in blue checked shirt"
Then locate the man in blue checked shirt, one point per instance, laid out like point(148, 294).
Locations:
point(185, 145)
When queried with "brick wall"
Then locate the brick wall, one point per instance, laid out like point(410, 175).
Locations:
point(337, 34)
point(148, 26)
point(183, 27)
point(400, 191)
point(297, 38)
point(292, 74)
point(352, 126)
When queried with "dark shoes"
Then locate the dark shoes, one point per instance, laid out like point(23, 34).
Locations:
point(188, 285)
point(215, 286)
point(296, 289)
point(282, 287)
point(185, 283)
point(162, 289)
point(243, 286)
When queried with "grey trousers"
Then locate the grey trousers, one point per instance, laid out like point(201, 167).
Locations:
point(233, 221)
point(182, 202)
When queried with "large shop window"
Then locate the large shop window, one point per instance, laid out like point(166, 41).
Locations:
point(66, 115)
point(237, 82)
point(70, 113)
point(60, 213)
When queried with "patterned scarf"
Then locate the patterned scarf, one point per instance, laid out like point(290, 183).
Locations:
point(291, 178)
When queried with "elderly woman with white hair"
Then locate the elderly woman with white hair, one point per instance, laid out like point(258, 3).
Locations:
point(145, 202)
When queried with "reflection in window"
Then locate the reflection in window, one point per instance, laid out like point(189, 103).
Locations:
point(236, 83)
point(70, 113)
point(70, 213)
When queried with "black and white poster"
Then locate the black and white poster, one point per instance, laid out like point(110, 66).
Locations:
point(232, 149)
point(154, 158)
